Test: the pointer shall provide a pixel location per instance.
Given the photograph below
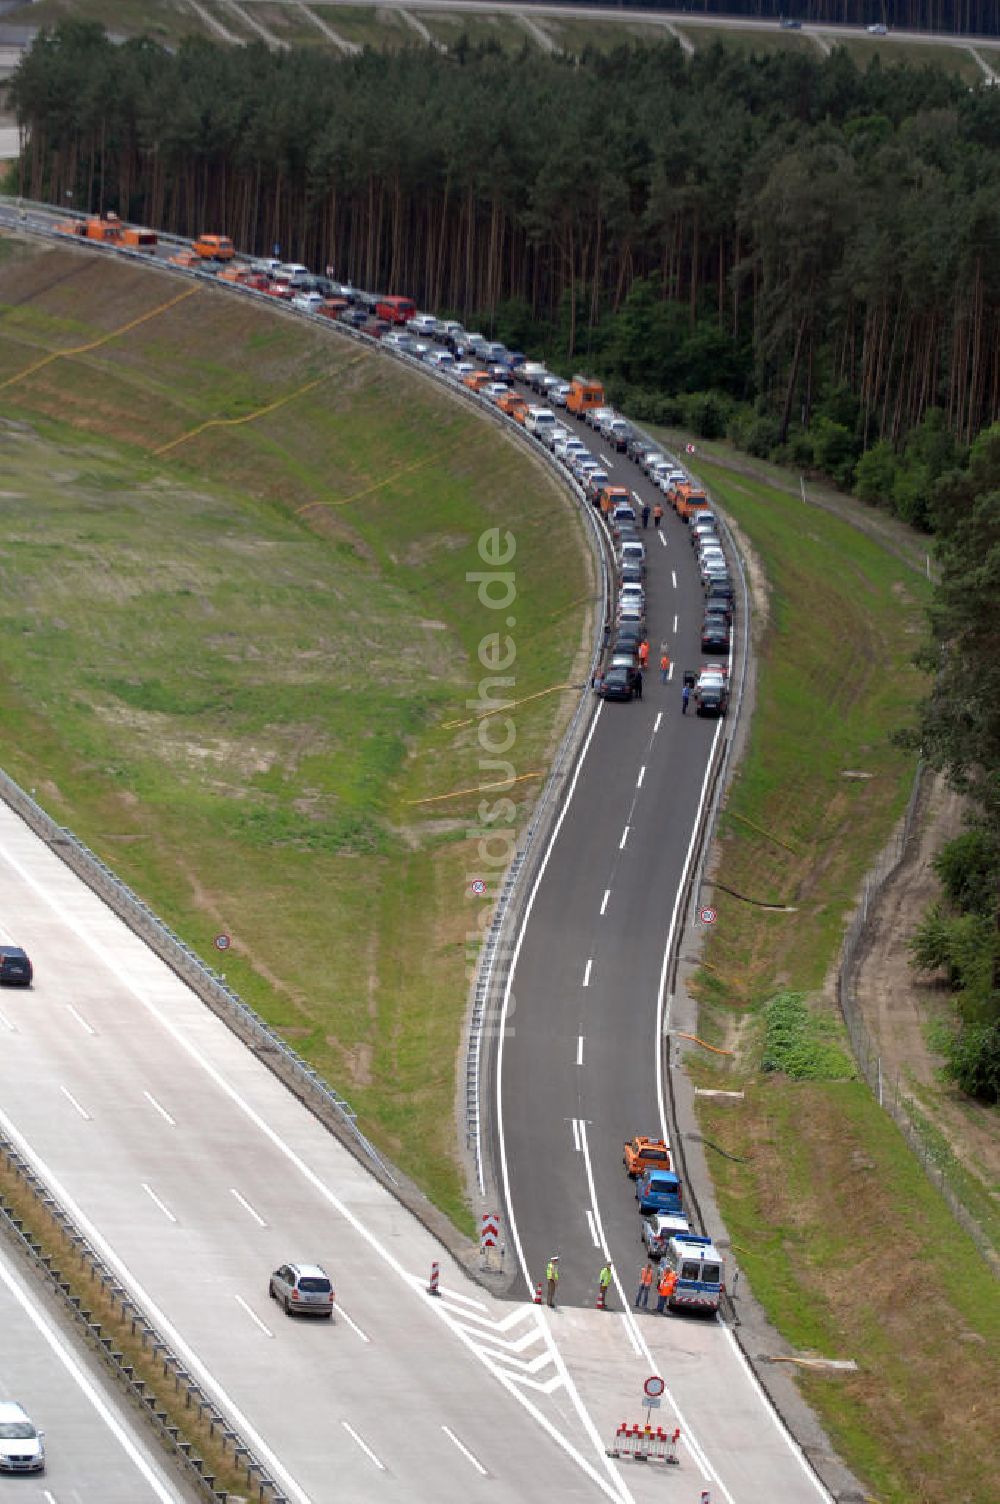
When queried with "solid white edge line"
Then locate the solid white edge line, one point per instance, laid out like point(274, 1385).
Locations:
point(464, 1450)
point(253, 1315)
point(80, 1019)
point(86, 1387)
point(154, 1197)
point(363, 1445)
point(789, 1440)
point(629, 1325)
point(593, 1228)
point(586, 972)
point(502, 1023)
point(690, 1439)
point(161, 1110)
point(247, 1207)
point(576, 1134)
point(339, 1311)
point(7, 1024)
point(74, 1103)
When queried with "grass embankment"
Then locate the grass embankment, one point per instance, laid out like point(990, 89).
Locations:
point(846, 1244)
point(238, 666)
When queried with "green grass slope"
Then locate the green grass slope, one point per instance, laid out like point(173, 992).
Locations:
point(237, 642)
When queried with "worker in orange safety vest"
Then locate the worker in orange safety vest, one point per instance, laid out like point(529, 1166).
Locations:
point(645, 1285)
point(666, 1288)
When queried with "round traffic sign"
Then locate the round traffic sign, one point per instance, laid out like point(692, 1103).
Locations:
point(479, 887)
point(708, 916)
point(653, 1387)
point(690, 448)
point(223, 942)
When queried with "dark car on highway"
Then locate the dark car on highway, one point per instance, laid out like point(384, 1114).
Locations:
point(715, 634)
point(616, 684)
point(15, 968)
point(627, 638)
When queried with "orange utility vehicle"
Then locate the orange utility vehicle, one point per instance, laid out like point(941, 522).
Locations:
point(109, 230)
point(688, 498)
point(584, 394)
point(644, 1154)
point(214, 248)
point(476, 380)
point(514, 405)
point(612, 495)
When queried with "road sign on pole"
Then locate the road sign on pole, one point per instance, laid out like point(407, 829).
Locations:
point(707, 916)
point(222, 942)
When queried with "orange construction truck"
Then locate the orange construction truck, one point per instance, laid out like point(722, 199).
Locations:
point(688, 498)
point(584, 394)
point(612, 495)
point(214, 248)
point(109, 230)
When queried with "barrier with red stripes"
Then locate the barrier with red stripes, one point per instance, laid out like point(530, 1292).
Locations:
point(646, 1443)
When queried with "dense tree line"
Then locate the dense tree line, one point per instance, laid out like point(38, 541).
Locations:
point(782, 230)
point(959, 732)
point(963, 16)
point(828, 226)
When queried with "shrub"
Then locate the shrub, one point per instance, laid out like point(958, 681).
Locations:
point(972, 1060)
point(875, 474)
point(968, 870)
point(796, 1042)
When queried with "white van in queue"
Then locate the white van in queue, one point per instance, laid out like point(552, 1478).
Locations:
point(698, 1266)
point(539, 421)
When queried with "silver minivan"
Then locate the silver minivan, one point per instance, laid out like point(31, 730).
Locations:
point(303, 1289)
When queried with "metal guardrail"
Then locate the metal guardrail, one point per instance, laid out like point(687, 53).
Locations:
point(244, 1460)
point(182, 959)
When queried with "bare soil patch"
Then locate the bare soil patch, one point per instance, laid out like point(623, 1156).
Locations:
point(899, 1006)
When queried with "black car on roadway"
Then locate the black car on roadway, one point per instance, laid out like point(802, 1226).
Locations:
point(627, 638)
point(715, 634)
point(15, 968)
point(616, 684)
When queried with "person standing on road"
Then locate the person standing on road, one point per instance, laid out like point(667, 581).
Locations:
point(605, 1282)
point(644, 652)
point(685, 697)
point(637, 684)
point(645, 1285)
point(552, 1278)
point(657, 515)
point(664, 1290)
point(665, 667)
point(645, 514)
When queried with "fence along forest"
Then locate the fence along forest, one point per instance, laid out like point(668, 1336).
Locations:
point(978, 17)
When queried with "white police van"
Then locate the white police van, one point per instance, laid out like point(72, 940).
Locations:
point(698, 1266)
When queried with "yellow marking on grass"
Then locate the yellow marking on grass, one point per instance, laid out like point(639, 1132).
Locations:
point(762, 832)
point(104, 339)
point(345, 501)
point(553, 689)
point(260, 412)
point(703, 1042)
point(479, 788)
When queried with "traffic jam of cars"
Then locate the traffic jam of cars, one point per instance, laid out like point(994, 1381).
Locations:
point(539, 401)
point(685, 1269)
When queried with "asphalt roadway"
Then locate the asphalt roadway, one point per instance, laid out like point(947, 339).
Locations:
point(579, 1066)
point(95, 1451)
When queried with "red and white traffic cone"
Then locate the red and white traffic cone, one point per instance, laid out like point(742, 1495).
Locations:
point(600, 1305)
point(538, 1294)
point(434, 1288)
